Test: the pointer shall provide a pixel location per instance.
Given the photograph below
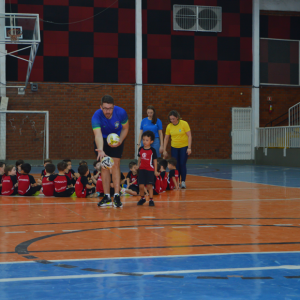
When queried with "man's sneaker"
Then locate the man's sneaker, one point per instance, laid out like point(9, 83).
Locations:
point(151, 203)
point(117, 201)
point(183, 186)
point(105, 201)
point(141, 202)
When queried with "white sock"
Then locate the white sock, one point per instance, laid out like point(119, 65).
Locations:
point(116, 194)
point(108, 195)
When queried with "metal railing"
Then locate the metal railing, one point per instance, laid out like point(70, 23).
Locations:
point(279, 137)
point(294, 115)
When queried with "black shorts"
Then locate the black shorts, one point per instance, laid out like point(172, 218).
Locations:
point(67, 193)
point(90, 191)
point(146, 177)
point(134, 188)
point(110, 151)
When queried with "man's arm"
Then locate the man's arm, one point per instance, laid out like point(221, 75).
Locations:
point(99, 143)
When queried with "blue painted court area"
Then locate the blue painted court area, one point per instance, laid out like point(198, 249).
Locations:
point(233, 276)
point(279, 176)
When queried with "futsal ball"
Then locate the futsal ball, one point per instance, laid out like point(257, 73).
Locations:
point(107, 162)
point(113, 139)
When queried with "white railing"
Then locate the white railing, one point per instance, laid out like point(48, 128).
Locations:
point(294, 115)
point(279, 137)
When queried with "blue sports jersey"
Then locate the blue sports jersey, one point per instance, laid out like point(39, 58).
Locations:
point(112, 125)
point(148, 125)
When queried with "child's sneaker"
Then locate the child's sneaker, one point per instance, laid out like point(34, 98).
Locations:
point(123, 191)
point(36, 193)
point(151, 203)
point(73, 195)
point(142, 201)
point(183, 186)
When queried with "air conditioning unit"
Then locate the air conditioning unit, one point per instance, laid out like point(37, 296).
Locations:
point(197, 18)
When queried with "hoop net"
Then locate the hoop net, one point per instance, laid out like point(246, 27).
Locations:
point(14, 34)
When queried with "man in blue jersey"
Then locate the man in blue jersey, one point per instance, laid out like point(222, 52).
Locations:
point(110, 119)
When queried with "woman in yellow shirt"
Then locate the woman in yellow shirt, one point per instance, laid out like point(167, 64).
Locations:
point(181, 143)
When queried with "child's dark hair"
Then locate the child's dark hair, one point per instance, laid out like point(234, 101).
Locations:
point(48, 161)
point(172, 161)
point(2, 164)
point(164, 163)
point(26, 168)
point(61, 166)
point(95, 163)
point(19, 162)
point(82, 169)
point(149, 134)
point(7, 169)
point(132, 164)
point(82, 162)
point(66, 160)
point(50, 168)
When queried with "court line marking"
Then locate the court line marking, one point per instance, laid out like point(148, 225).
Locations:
point(158, 256)
point(283, 224)
point(284, 267)
point(16, 232)
point(206, 226)
point(148, 217)
point(182, 227)
point(70, 230)
point(232, 225)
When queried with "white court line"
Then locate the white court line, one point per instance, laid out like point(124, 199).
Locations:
point(283, 224)
point(206, 226)
point(128, 228)
point(158, 256)
point(150, 273)
point(233, 225)
point(45, 231)
point(16, 232)
point(182, 227)
point(102, 229)
point(148, 217)
point(154, 227)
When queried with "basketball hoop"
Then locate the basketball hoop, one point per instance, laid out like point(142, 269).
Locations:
point(14, 34)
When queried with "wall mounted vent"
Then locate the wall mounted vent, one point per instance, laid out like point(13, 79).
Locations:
point(197, 18)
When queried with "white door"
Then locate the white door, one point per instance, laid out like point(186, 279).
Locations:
point(241, 133)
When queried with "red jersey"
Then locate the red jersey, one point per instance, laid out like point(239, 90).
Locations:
point(8, 184)
point(18, 175)
point(48, 187)
point(25, 181)
point(61, 182)
point(157, 184)
point(172, 173)
point(99, 185)
point(147, 157)
point(43, 173)
point(80, 186)
point(164, 181)
point(133, 178)
point(70, 173)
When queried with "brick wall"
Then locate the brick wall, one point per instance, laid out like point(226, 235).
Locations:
point(206, 109)
point(282, 99)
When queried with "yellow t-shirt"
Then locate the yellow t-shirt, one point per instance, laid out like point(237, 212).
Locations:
point(179, 138)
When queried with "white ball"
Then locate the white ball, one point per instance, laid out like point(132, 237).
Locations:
point(113, 139)
point(107, 162)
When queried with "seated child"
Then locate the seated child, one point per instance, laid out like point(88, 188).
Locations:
point(62, 184)
point(70, 172)
point(19, 163)
point(97, 179)
point(9, 181)
point(156, 185)
point(27, 185)
point(173, 177)
point(163, 174)
point(48, 186)
point(2, 167)
point(46, 162)
point(83, 162)
point(132, 180)
point(82, 187)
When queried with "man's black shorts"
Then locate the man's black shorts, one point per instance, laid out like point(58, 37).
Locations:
point(134, 188)
point(146, 177)
point(110, 151)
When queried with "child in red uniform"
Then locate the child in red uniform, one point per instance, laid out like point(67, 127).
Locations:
point(46, 162)
point(163, 164)
point(9, 181)
point(2, 167)
point(97, 179)
point(132, 180)
point(19, 163)
point(147, 167)
point(48, 186)
point(82, 187)
point(62, 184)
point(27, 185)
point(70, 172)
point(173, 177)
